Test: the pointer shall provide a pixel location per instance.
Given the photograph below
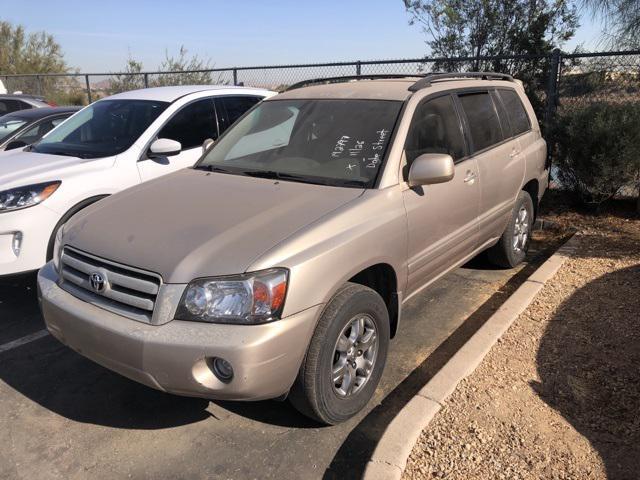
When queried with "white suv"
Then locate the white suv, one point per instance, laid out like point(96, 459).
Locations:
point(110, 145)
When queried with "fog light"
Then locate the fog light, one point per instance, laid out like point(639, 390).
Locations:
point(222, 369)
point(16, 244)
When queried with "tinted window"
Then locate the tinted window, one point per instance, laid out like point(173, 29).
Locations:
point(482, 119)
point(435, 129)
point(192, 125)
point(8, 106)
point(10, 124)
point(518, 117)
point(332, 142)
point(237, 106)
point(104, 128)
point(35, 133)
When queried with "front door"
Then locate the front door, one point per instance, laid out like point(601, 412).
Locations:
point(190, 126)
point(442, 218)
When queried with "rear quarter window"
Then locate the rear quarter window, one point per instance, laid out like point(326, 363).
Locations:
point(518, 117)
point(482, 119)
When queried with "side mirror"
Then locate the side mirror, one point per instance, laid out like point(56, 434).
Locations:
point(15, 144)
point(430, 168)
point(164, 147)
point(207, 143)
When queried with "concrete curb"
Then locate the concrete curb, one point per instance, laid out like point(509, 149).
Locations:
point(389, 458)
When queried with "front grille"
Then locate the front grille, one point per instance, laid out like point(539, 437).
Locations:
point(123, 290)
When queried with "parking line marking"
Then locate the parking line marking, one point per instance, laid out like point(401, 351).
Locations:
point(21, 341)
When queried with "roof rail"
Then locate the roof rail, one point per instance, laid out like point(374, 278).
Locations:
point(427, 79)
point(348, 78)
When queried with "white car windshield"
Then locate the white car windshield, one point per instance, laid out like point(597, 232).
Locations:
point(331, 142)
point(103, 129)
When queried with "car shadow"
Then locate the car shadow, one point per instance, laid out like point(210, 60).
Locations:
point(588, 365)
point(356, 450)
point(69, 385)
point(66, 383)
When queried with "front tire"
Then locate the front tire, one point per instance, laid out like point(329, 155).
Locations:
point(513, 245)
point(345, 358)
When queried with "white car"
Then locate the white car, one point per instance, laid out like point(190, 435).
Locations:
point(110, 145)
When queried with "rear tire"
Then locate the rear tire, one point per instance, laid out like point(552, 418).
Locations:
point(513, 245)
point(345, 358)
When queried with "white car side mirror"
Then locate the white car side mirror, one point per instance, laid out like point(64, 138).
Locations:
point(164, 147)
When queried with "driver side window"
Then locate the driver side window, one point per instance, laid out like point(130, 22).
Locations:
point(435, 128)
point(192, 125)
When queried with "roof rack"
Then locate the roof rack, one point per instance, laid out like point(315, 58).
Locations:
point(349, 78)
point(427, 79)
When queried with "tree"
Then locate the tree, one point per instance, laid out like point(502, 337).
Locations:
point(475, 28)
point(481, 28)
point(131, 78)
point(181, 70)
point(621, 20)
point(184, 66)
point(30, 53)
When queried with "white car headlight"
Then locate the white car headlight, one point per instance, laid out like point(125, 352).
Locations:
point(242, 299)
point(25, 197)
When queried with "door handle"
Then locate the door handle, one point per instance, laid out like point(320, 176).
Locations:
point(514, 153)
point(470, 177)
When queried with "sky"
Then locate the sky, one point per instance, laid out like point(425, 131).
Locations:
point(100, 36)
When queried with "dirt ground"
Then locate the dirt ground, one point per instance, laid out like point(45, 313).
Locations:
point(559, 396)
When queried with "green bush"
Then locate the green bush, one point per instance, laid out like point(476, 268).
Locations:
point(597, 150)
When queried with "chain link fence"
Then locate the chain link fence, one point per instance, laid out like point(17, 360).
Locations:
point(553, 80)
point(557, 83)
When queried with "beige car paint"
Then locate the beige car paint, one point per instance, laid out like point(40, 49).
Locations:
point(195, 224)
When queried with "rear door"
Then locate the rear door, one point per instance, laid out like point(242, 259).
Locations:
point(500, 164)
point(442, 218)
point(191, 126)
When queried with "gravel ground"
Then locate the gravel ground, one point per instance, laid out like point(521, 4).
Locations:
point(558, 397)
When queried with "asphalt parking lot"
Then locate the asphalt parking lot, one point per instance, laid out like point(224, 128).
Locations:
point(62, 416)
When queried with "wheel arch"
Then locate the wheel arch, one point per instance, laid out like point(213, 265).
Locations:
point(65, 218)
point(532, 187)
point(382, 278)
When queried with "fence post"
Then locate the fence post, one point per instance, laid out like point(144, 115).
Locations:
point(358, 68)
point(146, 80)
point(552, 88)
point(235, 76)
point(39, 83)
point(86, 80)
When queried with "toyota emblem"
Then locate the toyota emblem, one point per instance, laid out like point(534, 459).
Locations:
point(98, 282)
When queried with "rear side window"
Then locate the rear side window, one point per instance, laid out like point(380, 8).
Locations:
point(38, 131)
point(435, 129)
point(192, 125)
point(8, 106)
point(516, 112)
point(237, 106)
point(483, 121)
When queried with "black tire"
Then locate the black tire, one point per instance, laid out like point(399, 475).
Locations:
point(504, 253)
point(313, 393)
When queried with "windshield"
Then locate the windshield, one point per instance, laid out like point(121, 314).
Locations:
point(103, 129)
point(332, 142)
point(9, 125)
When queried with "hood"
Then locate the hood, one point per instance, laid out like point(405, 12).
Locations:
point(193, 223)
point(19, 168)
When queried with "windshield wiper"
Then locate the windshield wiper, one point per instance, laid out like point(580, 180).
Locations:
point(213, 168)
point(301, 178)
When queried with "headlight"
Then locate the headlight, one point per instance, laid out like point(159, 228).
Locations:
point(57, 244)
point(24, 197)
point(243, 299)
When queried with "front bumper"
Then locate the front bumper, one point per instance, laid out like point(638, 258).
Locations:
point(173, 357)
point(35, 225)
